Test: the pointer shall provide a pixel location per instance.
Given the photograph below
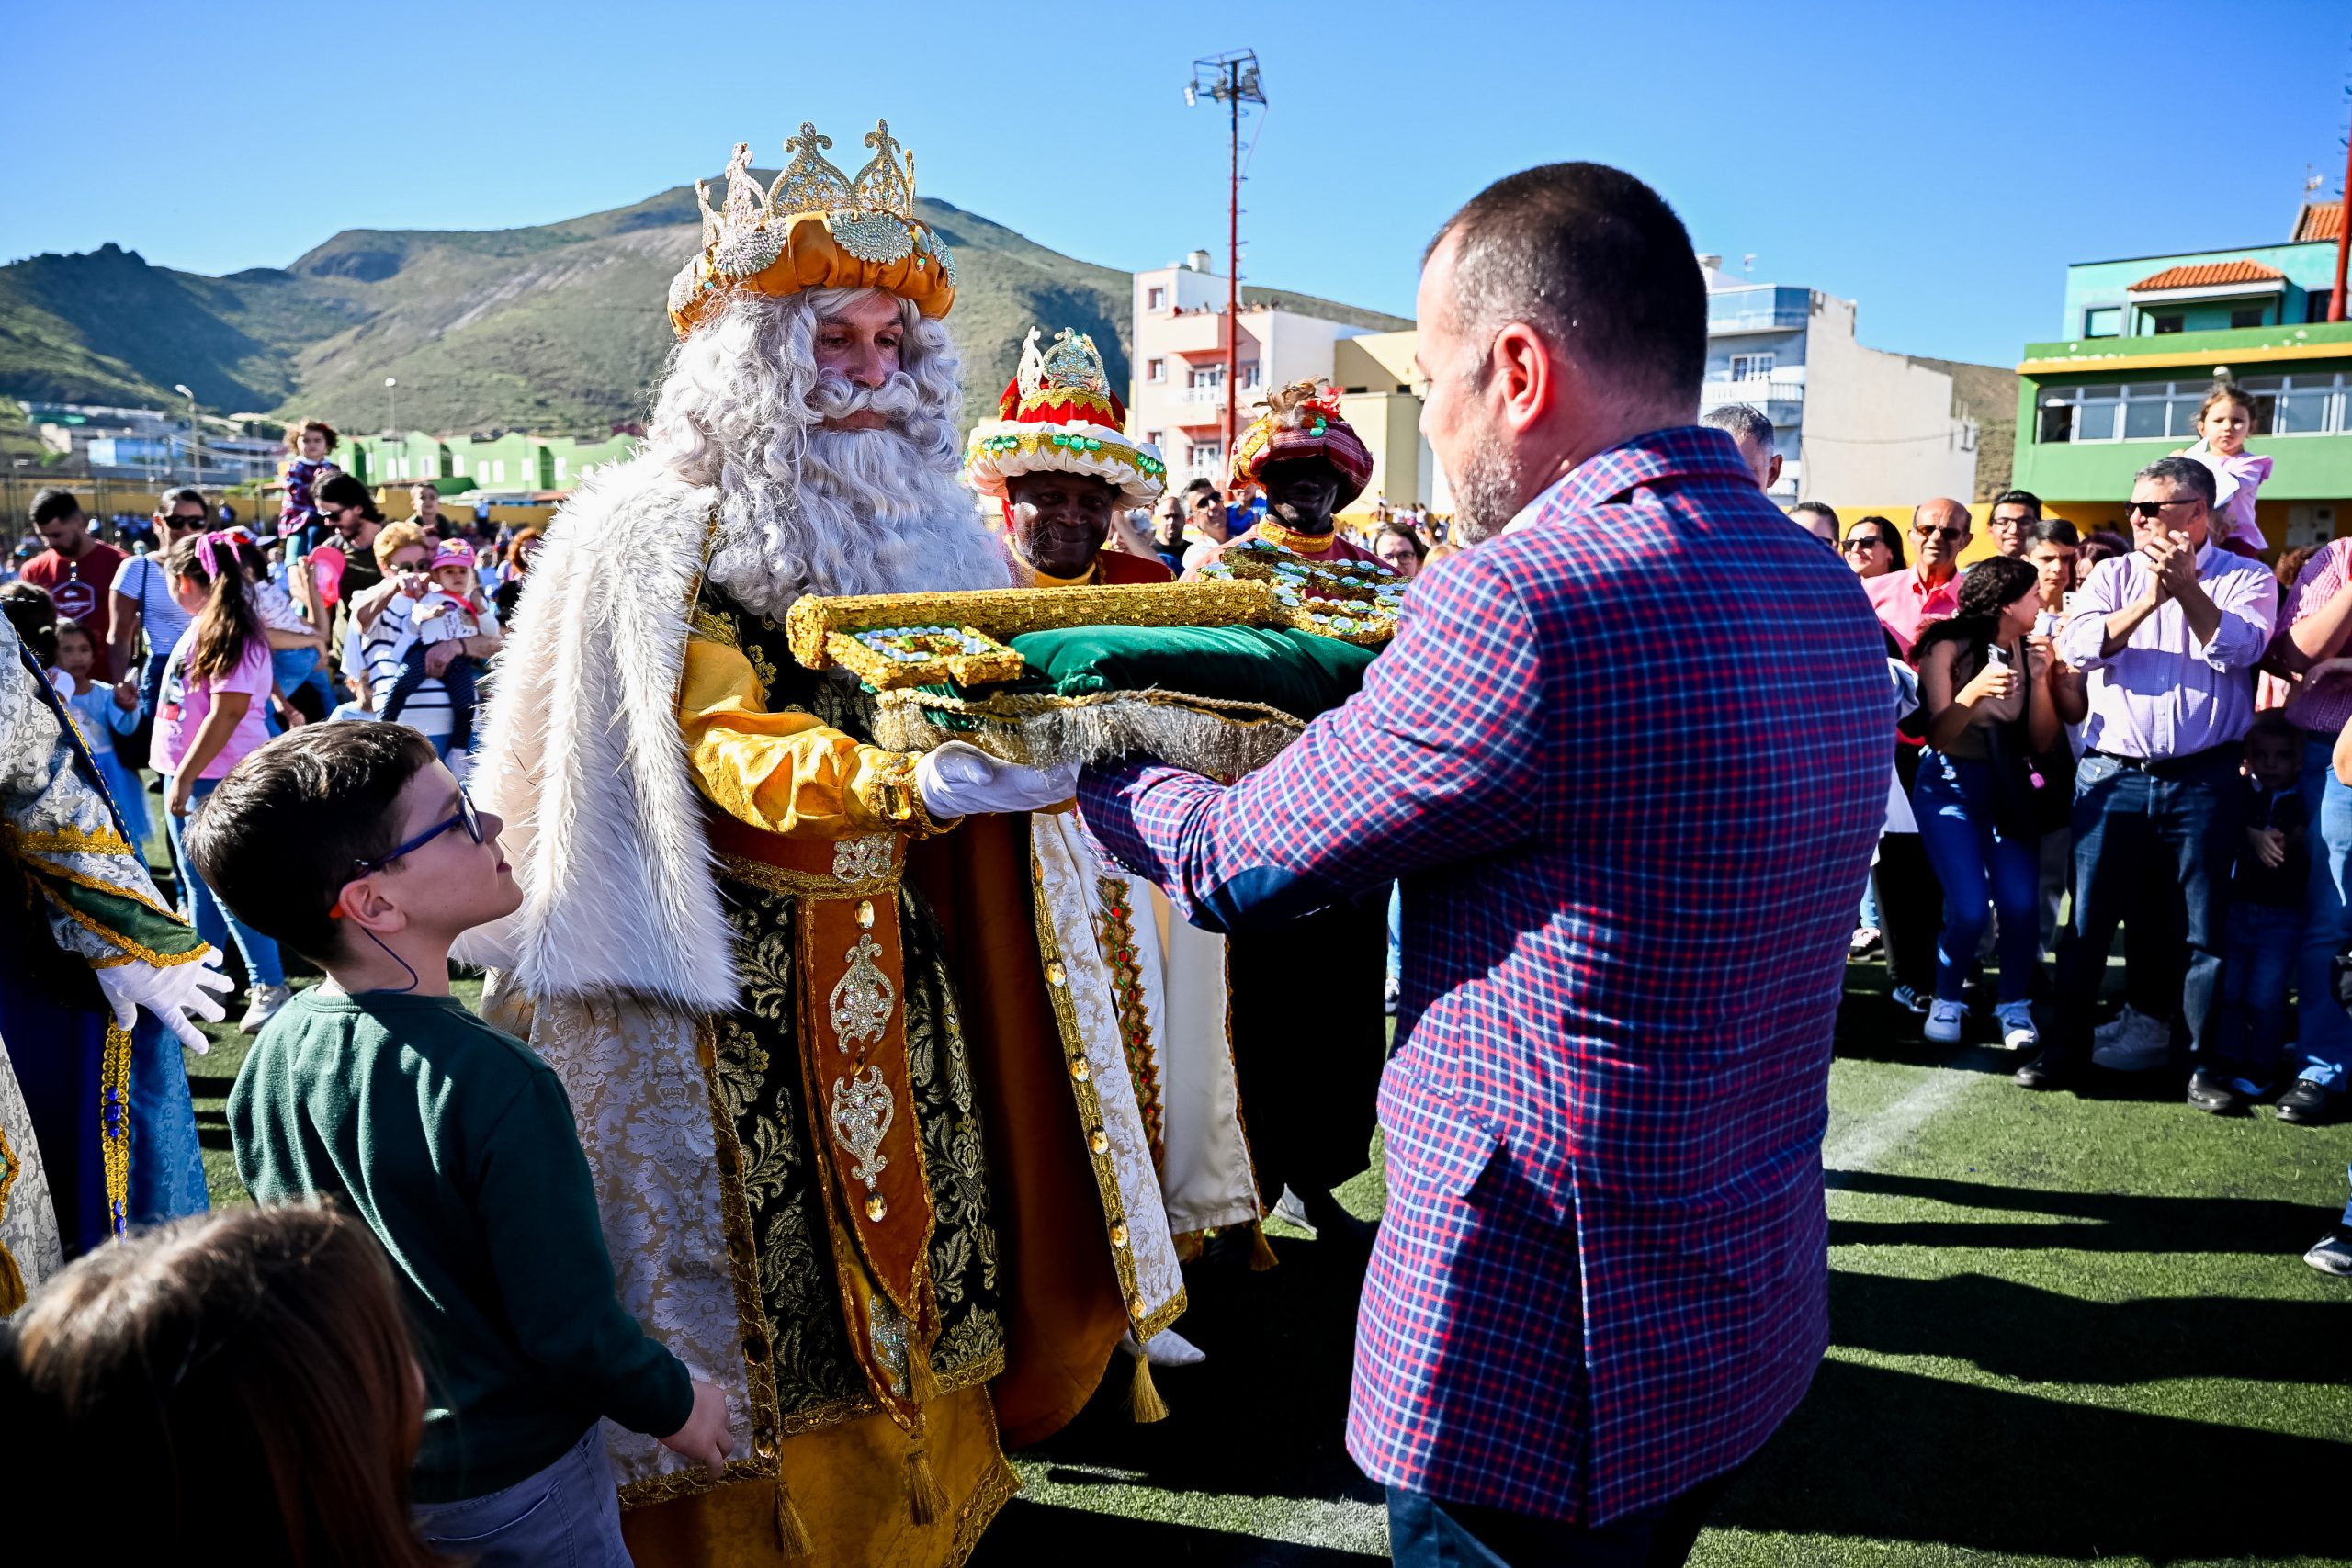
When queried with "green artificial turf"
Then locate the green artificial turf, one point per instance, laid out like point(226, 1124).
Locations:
point(2067, 1330)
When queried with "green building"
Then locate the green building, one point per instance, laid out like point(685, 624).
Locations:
point(2146, 337)
point(508, 465)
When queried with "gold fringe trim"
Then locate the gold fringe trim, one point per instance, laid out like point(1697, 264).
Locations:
point(12, 1279)
point(1143, 1396)
point(67, 841)
point(925, 1501)
point(1262, 1251)
point(792, 1537)
point(1211, 736)
point(114, 1125)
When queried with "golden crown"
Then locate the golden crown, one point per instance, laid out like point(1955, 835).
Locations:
point(816, 228)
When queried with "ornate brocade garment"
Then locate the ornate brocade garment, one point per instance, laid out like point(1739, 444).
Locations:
point(817, 1375)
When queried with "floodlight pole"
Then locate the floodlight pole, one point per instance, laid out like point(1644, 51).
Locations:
point(1231, 79)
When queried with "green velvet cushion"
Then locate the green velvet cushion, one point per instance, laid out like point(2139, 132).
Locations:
point(1299, 673)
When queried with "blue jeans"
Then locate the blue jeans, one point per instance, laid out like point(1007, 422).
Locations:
point(568, 1515)
point(2257, 963)
point(2139, 835)
point(1980, 866)
point(213, 921)
point(2323, 1034)
point(1427, 1532)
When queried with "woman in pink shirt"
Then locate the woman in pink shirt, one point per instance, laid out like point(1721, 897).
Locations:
point(214, 694)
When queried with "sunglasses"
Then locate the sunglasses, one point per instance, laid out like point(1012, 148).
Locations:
point(1949, 536)
point(1863, 542)
point(465, 818)
point(2149, 510)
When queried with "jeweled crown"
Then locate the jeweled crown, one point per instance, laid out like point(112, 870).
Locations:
point(816, 227)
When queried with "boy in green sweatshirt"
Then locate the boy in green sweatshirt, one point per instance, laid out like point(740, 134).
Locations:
point(353, 844)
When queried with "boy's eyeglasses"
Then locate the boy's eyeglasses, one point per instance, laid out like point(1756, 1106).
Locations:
point(465, 818)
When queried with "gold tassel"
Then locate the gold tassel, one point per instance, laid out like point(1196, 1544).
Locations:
point(925, 1501)
point(1262, 1251)
point(1143, 1396)
point(12, 1284)
point(791, 1536)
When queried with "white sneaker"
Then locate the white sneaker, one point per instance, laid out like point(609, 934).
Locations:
point(2017, 1032)
point(262, 1006)
point(1944, 1022)
point(2132, 1043)
point(1292, 1211)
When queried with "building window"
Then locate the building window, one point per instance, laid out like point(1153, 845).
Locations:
point(1156, 300)
point(1157, 438)
point(1205, 454)
point(1155, 370)
point(2250, 316)
point(1207, 375)
point(1750, 367)
point(458, 468)
point(497, 471)
point(2105, 321)
point(2163, 324)
point(1252, 376)
point(2315, 304)
point(2166, 410)
point(558, 469)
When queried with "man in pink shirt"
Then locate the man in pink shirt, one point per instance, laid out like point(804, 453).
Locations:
point(1929, 591)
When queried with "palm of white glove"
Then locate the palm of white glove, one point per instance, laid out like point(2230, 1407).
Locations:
point(958, 780)
point(171, 993)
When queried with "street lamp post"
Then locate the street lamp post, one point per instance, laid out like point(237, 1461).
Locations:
point(195, 431)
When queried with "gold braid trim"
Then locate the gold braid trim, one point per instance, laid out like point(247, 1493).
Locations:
point(1126, 964)
point(114, 1125)
point(80, 879)
point(12, 1278)
point(67, 841)
point(1145, 1320)
point(136, 951)
point(805, 884)
point(1006, 613)
point(887, 788)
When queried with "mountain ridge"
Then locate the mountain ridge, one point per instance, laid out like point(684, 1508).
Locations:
point(553, 328)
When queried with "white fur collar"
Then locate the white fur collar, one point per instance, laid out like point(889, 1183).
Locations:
point(581, 757)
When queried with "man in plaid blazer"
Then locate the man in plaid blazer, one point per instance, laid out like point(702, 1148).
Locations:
point(1629, 755)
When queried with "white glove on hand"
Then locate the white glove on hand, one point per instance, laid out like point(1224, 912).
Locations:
point(171, 993)
point(958, 780)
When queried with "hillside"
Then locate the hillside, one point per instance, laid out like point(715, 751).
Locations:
point(555, 329)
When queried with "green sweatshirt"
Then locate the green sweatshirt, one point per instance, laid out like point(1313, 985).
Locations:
point(454, 1144)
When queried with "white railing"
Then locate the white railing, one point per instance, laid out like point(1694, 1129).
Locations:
point(1757, 390)
point(1210, 395)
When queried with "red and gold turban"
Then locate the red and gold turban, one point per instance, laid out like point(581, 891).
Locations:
point(1302, 421)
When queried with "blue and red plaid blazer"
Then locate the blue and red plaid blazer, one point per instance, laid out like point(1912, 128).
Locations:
point(1629, 758)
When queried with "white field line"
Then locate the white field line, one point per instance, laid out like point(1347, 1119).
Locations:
point(1859, 1143)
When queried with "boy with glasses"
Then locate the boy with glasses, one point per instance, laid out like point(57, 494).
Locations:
point(2170, 636)
point(453, 1142)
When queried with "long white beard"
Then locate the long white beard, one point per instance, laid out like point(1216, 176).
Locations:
point(869, 511)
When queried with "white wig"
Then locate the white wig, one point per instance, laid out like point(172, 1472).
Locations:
point(805, 510)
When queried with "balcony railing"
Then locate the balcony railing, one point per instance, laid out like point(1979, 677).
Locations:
point(1210, 396)
point(1758, 309)
point(1780, 401)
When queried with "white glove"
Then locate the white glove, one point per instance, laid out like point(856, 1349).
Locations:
point(958, 780)
point(171, 993)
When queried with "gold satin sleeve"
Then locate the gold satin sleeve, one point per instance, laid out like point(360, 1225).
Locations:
point(783, 772)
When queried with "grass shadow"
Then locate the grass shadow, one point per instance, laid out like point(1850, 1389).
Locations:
point(2114, 1222)
point(1031, 1533)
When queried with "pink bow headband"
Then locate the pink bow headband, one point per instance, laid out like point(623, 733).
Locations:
point(207, 547)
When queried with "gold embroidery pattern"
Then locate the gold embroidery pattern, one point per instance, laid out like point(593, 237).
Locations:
point(1117, 922)
point(862, 1001)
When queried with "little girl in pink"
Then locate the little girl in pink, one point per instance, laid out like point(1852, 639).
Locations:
point(2223, 424)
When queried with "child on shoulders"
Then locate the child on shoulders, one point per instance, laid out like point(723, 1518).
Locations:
point(453, 609)
point(307, 464)
point(2223, 423)
point(453, 1142)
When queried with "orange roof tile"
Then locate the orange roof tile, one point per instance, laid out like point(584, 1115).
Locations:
point(2207, 275)
point(2319, 220)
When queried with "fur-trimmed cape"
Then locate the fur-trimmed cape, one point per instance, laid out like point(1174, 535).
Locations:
point(583, 757)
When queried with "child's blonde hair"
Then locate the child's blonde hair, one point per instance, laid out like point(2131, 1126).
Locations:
point(294, 436)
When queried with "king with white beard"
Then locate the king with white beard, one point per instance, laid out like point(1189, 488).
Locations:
point(810, 1020)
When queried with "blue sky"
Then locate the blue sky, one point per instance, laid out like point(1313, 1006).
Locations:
point(1940, 163)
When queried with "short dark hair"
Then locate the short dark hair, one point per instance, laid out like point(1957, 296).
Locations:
point(33, 612)
point(2019, 498)
point(2186, 471)
point(2275, 724)
point(1596, 260)
point(277, 839)
point(2052, 531)
point(52, 503)
point(1202, 483)
point(1818, 508)
point(172, 498)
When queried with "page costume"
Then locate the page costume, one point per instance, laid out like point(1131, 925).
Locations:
point(814, 1038)
point(98, 1130)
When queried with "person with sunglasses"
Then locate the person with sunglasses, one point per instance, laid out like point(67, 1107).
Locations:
point(1929, 591)
point(2169, 636)
point(1874, 549)
point(143, 600)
